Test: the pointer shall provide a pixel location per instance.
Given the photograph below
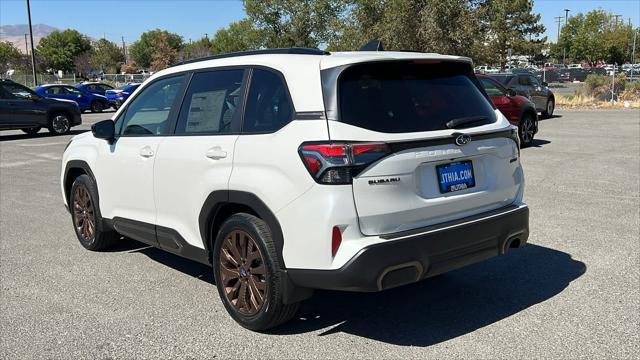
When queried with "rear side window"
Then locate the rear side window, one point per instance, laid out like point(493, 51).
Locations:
point(491, 88)
point(401, 97)
point(211, 103)
point(268, 107)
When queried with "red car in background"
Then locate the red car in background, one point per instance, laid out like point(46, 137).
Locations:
point(519, 110)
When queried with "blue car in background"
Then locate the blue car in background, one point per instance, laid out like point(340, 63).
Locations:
point(94, 87)
point(86, 100)
point(117, 96)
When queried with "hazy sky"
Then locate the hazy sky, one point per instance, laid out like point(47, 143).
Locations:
point(193, 18)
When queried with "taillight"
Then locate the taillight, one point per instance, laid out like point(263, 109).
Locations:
point(338, 163)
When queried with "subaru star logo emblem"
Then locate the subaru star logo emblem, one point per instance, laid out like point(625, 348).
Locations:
point(463, 139)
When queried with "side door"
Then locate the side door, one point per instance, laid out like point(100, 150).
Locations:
point(500, 99)
point(20, 107)
point(524, 86)
point(124, 169)
point(197, 159)
point(538, 95)
point(78, 96)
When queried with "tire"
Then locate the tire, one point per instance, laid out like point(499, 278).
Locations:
point(526, 129)
point(31, 131)
point(85, 215)
point(549, 108)
point(243, 276)
point(59, 123)
point(96, 106)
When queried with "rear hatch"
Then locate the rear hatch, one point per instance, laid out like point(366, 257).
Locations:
point(438, 150)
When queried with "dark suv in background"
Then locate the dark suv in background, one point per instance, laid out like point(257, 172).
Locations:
point(21, 108)
point(526, 84)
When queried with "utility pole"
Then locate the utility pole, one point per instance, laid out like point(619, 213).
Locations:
point(33, 54)
point(564, 50)
point(558, 20)
point(26, 52)
point(124, 50)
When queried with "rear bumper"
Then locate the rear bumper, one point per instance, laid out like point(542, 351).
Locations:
point(412, 256)
point(76, 120)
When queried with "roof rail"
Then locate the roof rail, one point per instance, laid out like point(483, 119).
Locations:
point(291, 50)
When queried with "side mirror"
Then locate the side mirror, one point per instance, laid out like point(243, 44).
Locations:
point(544, 83)
point(104, 129)
point(511, 92)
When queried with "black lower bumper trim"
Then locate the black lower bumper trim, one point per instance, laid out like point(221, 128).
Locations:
point(410, 259)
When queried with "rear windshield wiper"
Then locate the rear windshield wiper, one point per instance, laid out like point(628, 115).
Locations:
point(454, 123)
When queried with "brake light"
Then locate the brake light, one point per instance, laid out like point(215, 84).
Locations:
point(338, 163)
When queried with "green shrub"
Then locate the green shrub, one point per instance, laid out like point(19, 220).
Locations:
point(599, 86)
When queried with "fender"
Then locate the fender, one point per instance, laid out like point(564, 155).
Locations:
point(76, 164)
point(217, 199)
point(529, 107)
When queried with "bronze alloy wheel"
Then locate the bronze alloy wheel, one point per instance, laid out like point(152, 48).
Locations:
point(84, 218)
point(243, 272)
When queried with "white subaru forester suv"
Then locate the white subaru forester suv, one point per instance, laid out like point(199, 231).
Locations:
point(289, 170)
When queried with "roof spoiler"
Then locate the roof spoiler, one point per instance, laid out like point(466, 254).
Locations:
point(373, 45)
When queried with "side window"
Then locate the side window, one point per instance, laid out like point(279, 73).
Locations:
point(524, 80)
point(71, 90)
point(16, 91)
point(51, 90)
point(534, 81)
point(148, 113)
point(268, 107)
point(211, 103)
point(491, 88)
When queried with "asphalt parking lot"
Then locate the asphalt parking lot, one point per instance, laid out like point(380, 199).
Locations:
point(573, 292)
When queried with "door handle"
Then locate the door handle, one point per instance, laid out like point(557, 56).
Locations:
point(216, 153)
point(146, 152)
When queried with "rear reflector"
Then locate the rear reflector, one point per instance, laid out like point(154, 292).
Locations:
point(336, 240)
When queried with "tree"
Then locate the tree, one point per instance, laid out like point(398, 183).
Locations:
point(82, 63)
point(239, 36)
point(595, 36)
point(285, 23)
point(445, 26)
point(106, 56)
point(164, 54)
point(143, 50)
point(129, 68)
point(59, 49)
point(9, 57)
point(508, 25)
point(196, 49)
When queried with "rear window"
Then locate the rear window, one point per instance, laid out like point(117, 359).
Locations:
point(399, 97)
point(503, 79)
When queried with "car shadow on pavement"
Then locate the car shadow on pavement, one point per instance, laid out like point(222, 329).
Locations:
point(536, 143)
point(185, 266)
point(543, 118)
point(41, 134)
point(443, 307)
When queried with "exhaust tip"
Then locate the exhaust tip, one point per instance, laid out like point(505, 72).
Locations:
point(399, 275)
point(511, 243)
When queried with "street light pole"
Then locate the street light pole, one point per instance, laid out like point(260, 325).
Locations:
point(33, 54)
point(564, 49)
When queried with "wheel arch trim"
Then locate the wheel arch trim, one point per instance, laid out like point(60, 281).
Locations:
point(76, 164)
point(218, 199)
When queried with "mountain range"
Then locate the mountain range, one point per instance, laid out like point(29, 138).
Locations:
point(15, 34)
